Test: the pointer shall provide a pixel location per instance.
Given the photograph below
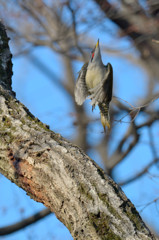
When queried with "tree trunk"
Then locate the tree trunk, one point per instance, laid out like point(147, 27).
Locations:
point(58, 174)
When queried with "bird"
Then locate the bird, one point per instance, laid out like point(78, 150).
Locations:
point(95, 81)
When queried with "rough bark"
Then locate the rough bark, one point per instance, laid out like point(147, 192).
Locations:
point(59, 174)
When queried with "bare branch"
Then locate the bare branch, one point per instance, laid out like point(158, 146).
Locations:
point(139, 174)
point(24, 223)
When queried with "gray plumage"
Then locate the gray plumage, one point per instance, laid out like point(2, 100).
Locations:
point(95, 81)
point(81, 91)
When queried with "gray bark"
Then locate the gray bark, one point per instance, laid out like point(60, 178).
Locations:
point(58, 174)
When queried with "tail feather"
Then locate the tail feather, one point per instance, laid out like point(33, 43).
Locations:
point(105, 118)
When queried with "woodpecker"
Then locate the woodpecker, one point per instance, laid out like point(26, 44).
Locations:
point(95, 81)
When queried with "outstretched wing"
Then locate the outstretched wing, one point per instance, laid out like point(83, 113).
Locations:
point(102, 93)
point(81, 91)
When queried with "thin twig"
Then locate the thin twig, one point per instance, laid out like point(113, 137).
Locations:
point(139, 174)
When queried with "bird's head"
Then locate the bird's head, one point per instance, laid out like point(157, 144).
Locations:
point(95, 54)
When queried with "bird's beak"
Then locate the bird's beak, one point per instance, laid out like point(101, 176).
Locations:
point(97, 43)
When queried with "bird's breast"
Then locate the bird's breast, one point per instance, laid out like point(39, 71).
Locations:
point(94, 76)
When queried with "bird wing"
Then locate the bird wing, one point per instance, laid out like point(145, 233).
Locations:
point(81, 90)
point(103, 91)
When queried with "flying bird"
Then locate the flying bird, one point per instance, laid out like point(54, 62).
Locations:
point(95, 81)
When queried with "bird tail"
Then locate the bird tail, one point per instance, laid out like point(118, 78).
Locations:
point(105, 118)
